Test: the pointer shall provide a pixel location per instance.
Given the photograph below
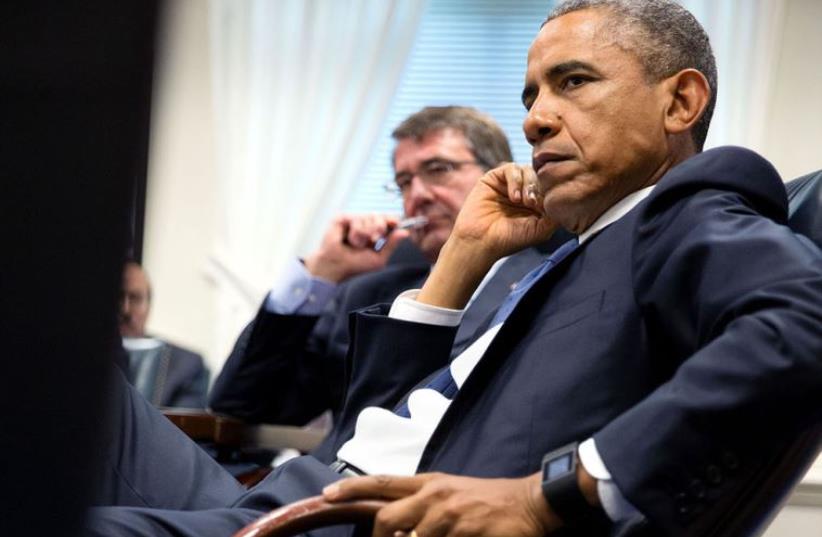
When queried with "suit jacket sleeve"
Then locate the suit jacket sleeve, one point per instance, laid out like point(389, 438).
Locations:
point(277, 371)
point(732, 308)
point(291, 368)
point(386, 359)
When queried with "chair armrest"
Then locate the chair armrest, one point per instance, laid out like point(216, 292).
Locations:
point(227, 432)
point(201, 425)
point(309, 514)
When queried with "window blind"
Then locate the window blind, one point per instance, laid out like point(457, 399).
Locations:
point(468, 52)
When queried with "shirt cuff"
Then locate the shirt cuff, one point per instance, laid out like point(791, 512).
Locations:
point(297, 292)
point(406, 308)
point(616, 506)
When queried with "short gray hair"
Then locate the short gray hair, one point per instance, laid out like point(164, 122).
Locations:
point(666, 39)
point(485, 137)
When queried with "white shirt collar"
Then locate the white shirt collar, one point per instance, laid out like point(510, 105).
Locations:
point(140, 343)
point(617, 211)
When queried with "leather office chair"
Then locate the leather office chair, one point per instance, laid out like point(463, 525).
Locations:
point(805, 199)
point(753, 510)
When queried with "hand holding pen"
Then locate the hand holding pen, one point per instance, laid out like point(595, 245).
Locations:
point(414, 222)
point(355, 244)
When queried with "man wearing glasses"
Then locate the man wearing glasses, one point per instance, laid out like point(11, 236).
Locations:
point(297, 343)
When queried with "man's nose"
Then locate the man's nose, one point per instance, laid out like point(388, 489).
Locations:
point(416, 195)
point(541, 122)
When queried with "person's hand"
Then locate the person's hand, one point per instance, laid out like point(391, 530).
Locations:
point(503, 214)
point(347, 248)
point(435, 505)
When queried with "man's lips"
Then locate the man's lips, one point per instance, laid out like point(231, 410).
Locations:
point(545, 160)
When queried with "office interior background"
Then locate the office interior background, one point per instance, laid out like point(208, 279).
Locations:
point(270, 117)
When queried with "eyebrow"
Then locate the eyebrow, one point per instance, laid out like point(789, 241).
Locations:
point(554, 72)
point(569, 66)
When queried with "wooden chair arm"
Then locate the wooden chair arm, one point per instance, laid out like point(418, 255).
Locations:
point(308, 514)
point(203, 426)
point(225, 431)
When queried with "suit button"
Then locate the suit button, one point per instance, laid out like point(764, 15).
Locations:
point(713, 474)
point(697, 488)
point(730, 461)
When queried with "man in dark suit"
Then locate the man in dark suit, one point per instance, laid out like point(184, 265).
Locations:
point(165, 374)
point(288, 364)
point(658, 361)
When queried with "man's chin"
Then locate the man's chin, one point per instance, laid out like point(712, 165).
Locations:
point(569, 212)
point(432, 243)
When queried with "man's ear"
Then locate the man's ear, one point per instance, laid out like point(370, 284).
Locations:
point(689, 95)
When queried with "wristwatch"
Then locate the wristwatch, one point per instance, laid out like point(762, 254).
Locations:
point(561, 489)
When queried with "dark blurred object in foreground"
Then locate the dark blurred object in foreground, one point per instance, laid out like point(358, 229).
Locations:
point(74, 105)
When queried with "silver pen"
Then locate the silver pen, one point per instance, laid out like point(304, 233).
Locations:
point(406, 223)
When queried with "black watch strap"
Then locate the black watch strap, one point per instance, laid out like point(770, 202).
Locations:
point(561, 490)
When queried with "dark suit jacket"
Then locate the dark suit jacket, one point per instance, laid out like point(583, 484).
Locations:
point(290, 368)
point(179, 378)
point(685, 338)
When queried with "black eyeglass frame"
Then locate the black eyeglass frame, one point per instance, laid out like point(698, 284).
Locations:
point(402, 181)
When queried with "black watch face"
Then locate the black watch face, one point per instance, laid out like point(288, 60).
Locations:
point(558, 466)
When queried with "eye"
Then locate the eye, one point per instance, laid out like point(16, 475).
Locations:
point(438, 167)
point(403, 181)
point(574, 81)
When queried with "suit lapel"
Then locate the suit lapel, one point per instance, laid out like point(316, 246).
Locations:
point(476, 317)
point(512, 331)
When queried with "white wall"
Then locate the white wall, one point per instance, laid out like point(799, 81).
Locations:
point(181, 197)
point(794, 131)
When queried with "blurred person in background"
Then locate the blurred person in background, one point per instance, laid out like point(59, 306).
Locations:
point(165, 374)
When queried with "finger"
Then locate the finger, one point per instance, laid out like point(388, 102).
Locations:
point(400, 516)
point(434, 523)
point(495, 179)
point(532, 189)
point(514, 182)
point(392, 241)
point(392, 220)
point(388, 225)
point(379, 227)
point(359, 233)
point(373, 486)
point(338, 231)
point(368, 229)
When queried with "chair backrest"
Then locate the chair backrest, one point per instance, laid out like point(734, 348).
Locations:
point(805, 206)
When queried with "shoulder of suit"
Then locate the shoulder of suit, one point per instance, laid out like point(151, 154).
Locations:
point(181, 353)
point(730, 169)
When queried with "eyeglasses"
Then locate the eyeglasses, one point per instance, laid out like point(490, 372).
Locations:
point(436, 171)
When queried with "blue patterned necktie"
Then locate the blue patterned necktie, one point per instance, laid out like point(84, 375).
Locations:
point(530, 279)
point(444, 382)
